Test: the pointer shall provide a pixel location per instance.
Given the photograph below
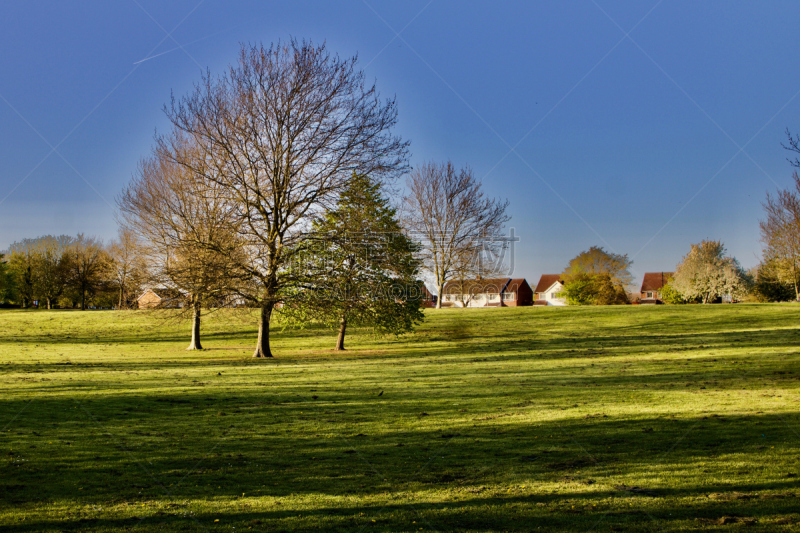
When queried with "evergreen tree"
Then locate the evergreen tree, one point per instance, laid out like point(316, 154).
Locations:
point(363, 266)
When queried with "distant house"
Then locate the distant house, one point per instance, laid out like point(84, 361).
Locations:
point(549, 290)
point(427, 299)
point(497, 292)
point(168, 298)
point(652, 284)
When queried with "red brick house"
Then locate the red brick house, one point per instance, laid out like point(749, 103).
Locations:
point(166, 298)
point(427, 299)
point(497, 292)
point(651, 287)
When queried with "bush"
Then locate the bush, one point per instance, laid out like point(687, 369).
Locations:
point(597, 289)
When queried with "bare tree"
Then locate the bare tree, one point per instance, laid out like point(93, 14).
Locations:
point(280, 135)
point(126, 266)
point(186, 230)
point(780, 233)
point(792, 146)
point(88, 263)
point(446, 211)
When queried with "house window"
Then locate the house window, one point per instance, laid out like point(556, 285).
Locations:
point(649, 294)
point(492, 297)
point(508, 297)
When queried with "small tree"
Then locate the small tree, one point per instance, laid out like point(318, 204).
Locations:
point(88, 264)
point(6, 286)
point(580, 290)
point(126, 267)
point(780, 233)
point(365, 270)
point(707, 273)
point(670, 294)
point(597, 277)
point(20, 273)
point(769, 284)
point(456, 225)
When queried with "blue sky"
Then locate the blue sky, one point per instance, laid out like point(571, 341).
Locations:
point(640, 126)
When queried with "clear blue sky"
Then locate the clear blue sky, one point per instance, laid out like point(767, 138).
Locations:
point(642, 143)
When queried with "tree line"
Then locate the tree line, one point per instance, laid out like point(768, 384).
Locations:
point(71, 272)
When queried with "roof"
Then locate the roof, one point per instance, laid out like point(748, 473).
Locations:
point(653, 281)
point(514, 284)
point(483, 286)
point(167, 292)
point(547, 281)
point(145, 292)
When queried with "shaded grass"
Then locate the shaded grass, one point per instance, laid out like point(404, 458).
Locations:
point(669, 418)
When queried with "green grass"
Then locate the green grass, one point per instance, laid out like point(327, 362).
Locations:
point(669, 418)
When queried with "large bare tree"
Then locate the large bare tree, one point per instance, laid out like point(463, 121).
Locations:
point(188, 234)
point(280, 134)
point(780, 233)
point(446, 211)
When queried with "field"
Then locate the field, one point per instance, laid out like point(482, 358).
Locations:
point(668, 418)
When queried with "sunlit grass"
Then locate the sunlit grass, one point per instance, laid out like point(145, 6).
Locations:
point(670, 418)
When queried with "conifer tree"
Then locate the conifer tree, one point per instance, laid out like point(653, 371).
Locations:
point(362, 266)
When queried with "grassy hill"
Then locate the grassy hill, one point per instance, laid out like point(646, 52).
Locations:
point(668, 418)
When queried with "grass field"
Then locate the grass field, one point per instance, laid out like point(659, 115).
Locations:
point(668, 418)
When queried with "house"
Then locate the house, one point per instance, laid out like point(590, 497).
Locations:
point(549, 290)
point(497, 292)
point(427, 299)
point(651, 287)
point(148, 299)
point(170, 298)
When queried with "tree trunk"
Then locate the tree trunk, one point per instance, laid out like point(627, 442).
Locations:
point(83, 300)
point(196, 309)
point(48, 304)
point(262, 345)
point(119, 307)
point(440, 288)
point(342, 329)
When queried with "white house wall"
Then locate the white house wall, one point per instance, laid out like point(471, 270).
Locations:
point(549, 294)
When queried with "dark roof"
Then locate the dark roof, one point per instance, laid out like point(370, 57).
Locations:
point(514, 284)
point(653, 281)
point(546, 281)
point(486, 285)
